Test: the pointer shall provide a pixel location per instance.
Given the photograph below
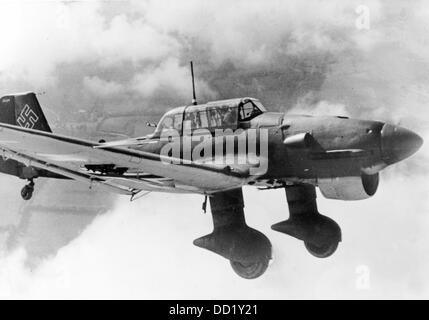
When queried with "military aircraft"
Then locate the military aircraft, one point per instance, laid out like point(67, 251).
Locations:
point(215, 149)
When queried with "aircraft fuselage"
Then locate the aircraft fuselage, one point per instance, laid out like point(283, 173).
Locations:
point(300, 148)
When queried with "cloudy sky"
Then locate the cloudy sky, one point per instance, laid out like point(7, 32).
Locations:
point(295, 56)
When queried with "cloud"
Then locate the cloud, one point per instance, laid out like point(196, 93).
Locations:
point(305, 105)
point(295, 56)
point(133, 40)
point(101, 87)
point(39, 35)
point(279, 52)
point(169, 75)
point(144, 249)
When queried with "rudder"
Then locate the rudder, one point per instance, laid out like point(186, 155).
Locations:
point(23, 110)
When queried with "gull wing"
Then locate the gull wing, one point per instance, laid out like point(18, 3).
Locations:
point(71, 157)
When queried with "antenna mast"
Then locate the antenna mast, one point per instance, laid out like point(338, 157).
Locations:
point(194, 97)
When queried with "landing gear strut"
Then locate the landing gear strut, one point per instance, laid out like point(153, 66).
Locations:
point(27, 190)
point(320, 234)
point(248, 250)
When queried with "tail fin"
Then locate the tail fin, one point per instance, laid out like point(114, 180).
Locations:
point(23, 110)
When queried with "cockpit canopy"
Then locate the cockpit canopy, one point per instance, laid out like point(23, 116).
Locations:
point(224, 114)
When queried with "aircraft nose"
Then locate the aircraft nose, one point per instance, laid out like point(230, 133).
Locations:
point(398, 143)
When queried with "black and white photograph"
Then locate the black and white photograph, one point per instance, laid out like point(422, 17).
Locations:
point(214, 150)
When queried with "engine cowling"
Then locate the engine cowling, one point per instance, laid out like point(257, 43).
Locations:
point(349, 188)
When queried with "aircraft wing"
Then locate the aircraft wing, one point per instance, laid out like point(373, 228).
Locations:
point(125, 142)
point(80, 160)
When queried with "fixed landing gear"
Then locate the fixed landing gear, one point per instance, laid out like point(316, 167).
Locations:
point(321, 250)
point(27, 191)
point(320, 234)
point(247, 249)
point(250, 270)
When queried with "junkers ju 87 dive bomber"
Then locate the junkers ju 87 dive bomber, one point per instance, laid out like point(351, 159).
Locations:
point(215, 149)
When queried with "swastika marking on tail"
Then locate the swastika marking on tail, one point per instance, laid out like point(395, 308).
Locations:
point(27, 118)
